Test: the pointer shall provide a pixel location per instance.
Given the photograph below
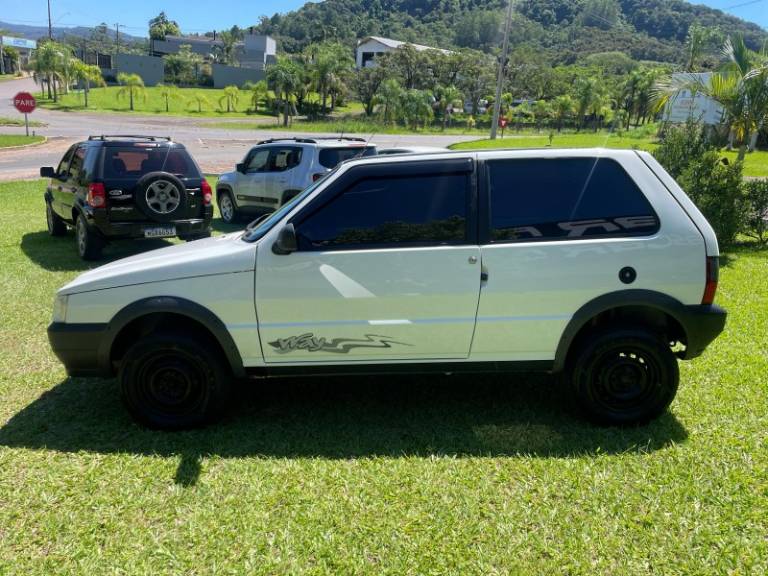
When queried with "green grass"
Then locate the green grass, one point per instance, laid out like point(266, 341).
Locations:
point(755, 164)
point(470, 475)
point(7, 140)
point(19, 121)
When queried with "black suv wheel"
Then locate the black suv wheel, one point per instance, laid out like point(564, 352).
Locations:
point(624, 376)
point(89, 243)
point(56, 226)
point(174, 380)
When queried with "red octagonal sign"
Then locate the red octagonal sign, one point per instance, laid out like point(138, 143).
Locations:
point(24, 102)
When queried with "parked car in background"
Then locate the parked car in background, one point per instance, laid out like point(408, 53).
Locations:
point(590, 263)
point(409, 150)
point(118, 187)
point(276, 170)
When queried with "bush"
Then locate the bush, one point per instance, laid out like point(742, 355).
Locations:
point(714, 185)
point(756, 198)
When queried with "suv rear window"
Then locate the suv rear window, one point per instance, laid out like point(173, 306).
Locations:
point(330, 157)
point(135, 161)
point(565, 198)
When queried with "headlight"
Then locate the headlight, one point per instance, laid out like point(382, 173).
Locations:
point(60, 308)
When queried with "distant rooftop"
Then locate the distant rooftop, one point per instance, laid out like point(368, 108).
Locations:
point(397, 43)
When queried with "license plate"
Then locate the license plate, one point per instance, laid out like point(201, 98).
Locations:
point(160, 232)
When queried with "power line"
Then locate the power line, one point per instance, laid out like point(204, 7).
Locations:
point(742, 4)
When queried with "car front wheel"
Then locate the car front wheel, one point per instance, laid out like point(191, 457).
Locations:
point(89, 243)
point(174, 380)
point(227, 208)
point(624, 376)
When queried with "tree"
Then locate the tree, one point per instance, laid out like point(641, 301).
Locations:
point(603, 14)
point(201, 100)
point(259, 93)
point(416, 107)
point(230, 98)
point(168, 92)
point(88, 74)
point(132, 86)
point(366, 84)
point(562, 109)
point(47, 65)
point(160, 26)
point(285, 78)
point(390, 96)
point(225, 52)
point(329, 63)
point(447, 98)
point(587, 92)
point(182, 68)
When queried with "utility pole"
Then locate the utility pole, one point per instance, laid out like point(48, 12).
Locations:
point(500, 77)
point(50, 29)
point(117, 47)
point(2, 59)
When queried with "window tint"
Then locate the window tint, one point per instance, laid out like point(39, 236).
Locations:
point(258, 161)
point(330, 157)
point(76, 163)
point(283, 159)
point(135, 161)
point(560, 198)
point(384, 211)
point(63, 168)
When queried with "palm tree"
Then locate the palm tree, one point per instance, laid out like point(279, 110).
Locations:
point(231, 96)
point(168, 92)
point(259, 92)
point(88, 74)
point(132, 86)
point(390, 97)
point(563, 108)
point(46, 64)
point(328, 64)
point(449, 95)
point(201, 100)
point(285, 78)
point(740, 86)
point(417, 107)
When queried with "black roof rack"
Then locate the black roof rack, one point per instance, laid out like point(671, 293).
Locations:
point(131, 136)
point(311, 140)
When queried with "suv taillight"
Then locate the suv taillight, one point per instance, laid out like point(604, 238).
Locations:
point(710, 287)
point(97, 195)
point(207, 192)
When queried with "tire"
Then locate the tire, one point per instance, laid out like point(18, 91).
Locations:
point(624, 376)
point(227, 207)
point(161, 196)
point(56, 226)
point(174, 381)
point(89, 243)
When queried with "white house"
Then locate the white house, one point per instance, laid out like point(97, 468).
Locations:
point(687, 105)
point(369, 47)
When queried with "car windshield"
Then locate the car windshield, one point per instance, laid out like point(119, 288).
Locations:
point(256, 230)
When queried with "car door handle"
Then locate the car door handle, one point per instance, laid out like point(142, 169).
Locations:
point(73, 189)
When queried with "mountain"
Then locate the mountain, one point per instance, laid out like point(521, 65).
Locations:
point(37, 32)
point(563, 29)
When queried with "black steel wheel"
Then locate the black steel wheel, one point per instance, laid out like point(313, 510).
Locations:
point(624, 376)
point(173, 381)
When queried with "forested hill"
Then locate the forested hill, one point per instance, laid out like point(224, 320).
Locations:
point(566, 29)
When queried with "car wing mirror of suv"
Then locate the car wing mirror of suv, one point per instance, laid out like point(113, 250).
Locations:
point(286, 241)
point(240, 167)
point(47, 172)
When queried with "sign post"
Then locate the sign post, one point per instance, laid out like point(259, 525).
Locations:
point(25, 103)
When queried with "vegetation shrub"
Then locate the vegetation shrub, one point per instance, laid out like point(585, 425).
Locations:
point(756, 198)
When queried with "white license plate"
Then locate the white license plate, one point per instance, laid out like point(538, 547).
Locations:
point(160, 232)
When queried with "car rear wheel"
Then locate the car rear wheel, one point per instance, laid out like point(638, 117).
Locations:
point(227, 208)
point(56, 226)
point(161, 196)
point(624, 376)
point(173, 381)
point(89, 243)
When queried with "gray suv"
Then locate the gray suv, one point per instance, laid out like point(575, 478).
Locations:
point(276, 170)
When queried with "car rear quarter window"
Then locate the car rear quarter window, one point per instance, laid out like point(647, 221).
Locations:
point(414, 210)
point(330, 157)
point(136, 161)
point(565, 198)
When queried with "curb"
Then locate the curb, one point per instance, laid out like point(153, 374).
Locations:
point(31, 145)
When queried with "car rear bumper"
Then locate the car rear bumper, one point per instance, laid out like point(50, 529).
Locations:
point(135, 229)
point(77, 346)
point(702, 324)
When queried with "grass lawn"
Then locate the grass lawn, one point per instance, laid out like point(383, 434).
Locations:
point(19, 121)
point(755, 164)
point(7, 140)
point(414, 475)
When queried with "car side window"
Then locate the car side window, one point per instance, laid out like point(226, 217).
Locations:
point(63, 169)
point(537, 199)
point(76, 163)
point(374, 212)
point(258, 161)
point(283, 159)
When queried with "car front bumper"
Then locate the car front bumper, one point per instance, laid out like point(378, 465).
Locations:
point(78, 346)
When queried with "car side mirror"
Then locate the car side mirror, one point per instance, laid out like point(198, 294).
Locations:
point(286, 241)
point(240, 167)
point(47, 172)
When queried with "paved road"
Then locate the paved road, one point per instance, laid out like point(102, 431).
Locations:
point(215, 149)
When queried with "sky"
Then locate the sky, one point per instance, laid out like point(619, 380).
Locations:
point(199, 16)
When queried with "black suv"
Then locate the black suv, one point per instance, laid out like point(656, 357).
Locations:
point(113, 187)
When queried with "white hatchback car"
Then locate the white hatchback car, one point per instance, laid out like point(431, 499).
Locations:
point(591, 263)
point(276, 170)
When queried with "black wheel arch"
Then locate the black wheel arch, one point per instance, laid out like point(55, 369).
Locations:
point(153, 309)
point(644, 307)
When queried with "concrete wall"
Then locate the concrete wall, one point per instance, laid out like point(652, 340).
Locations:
point(150, 68)
point(235, 76)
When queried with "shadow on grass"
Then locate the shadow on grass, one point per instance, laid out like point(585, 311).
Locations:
point(467, 416)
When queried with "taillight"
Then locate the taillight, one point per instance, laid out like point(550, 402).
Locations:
point(713, 273)
point(97, 195)
point(207, 193)
point(316, 177)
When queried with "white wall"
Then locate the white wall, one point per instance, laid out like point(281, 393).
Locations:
point(369, 46)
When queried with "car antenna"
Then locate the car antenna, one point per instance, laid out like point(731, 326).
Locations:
point(367, 142)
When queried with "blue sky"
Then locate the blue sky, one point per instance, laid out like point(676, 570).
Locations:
point(196, 16)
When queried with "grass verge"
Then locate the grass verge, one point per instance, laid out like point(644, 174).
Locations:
point(408, 475)
point(19, 121)
point(8, 140)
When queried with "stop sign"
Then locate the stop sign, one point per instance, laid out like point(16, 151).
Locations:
point(24, 102)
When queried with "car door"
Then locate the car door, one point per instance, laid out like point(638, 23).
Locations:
point(56, 186)
point(70, 181)
point(282, 175)
point(253, 184)
point(387, 268)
